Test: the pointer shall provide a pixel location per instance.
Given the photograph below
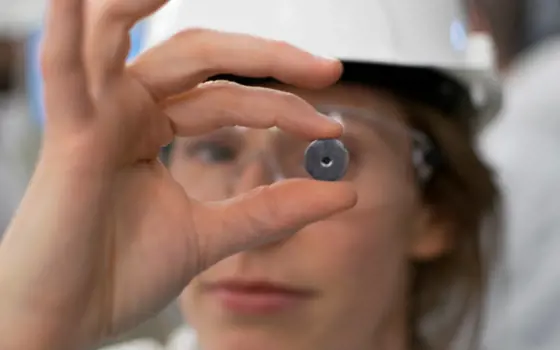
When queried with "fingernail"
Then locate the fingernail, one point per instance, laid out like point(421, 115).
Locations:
point(333, 118)
point(327, 58)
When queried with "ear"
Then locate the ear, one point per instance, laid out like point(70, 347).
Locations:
point(432, 236)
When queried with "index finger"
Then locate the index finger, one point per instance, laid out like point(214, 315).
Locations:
point(66, 91)
point(62, 42)
point(194, 55)
point(220, 104)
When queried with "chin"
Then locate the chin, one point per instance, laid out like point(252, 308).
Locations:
point(245, 340)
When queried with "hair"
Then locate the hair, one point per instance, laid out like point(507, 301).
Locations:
point(448, 290)
point(517, 25)
point(461, 193)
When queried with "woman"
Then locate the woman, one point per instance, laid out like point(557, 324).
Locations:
point(408, 255)
point(405, 249)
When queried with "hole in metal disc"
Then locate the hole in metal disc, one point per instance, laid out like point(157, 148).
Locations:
point(326, 162)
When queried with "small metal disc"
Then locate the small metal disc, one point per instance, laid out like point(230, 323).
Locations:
point(326, 160)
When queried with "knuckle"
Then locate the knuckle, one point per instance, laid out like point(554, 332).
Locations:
point(222, 87)
point(104, 12)
point(192, 33)
point(233, 96)
point(196, 38)
point(200, 44)
point(281, 45)
point(48, 61)
point(289, 99)
point(53, 64)
point(278, 44)
point(292, 105)
point(229, 94)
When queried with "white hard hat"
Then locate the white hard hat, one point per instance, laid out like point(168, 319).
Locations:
point(412, 33)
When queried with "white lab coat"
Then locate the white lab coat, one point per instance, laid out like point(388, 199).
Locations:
point(183, 338)
point(524, 147)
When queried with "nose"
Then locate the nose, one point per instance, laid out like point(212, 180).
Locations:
point(260, 169)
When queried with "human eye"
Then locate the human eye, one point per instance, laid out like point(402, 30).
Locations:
point(211, 152)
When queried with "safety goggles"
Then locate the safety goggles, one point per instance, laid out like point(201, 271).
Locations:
point(379, 147)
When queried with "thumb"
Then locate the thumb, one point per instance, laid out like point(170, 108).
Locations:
point(266, 214)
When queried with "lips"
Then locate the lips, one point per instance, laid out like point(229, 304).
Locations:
point(257, 297)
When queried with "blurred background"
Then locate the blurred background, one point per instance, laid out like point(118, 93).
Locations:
point(21, 121)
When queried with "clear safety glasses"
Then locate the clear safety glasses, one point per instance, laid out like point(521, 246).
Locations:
point(380, 148)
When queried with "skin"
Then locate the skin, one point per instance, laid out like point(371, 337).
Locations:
point(356, 263)
point(105, 236)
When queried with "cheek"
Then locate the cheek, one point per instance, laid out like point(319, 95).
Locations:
point(358, 251)
point(360, 262)
point(371, 239)
point(360, 259)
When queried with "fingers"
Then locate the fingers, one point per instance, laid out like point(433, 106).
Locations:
point(192, 56)
point(266, 214)
point(66, 91)
point(108, 42)
point(218, 104)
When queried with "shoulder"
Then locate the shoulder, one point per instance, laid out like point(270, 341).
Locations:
point(139, 344)
point(183, 338)
point(525, 134)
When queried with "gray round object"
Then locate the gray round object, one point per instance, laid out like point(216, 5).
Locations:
point(326, 160)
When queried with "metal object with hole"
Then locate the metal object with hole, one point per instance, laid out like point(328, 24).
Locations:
point(326, 160)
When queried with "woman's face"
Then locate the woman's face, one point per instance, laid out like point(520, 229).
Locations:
point(336, 284)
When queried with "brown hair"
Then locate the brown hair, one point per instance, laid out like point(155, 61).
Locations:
point(461, 193)
point(450, 288)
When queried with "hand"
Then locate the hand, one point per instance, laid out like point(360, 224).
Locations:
point(105, 237)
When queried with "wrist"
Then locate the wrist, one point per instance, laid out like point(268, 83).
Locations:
point(26, 324)
point(24, 332)
point(75, 160)
point(64, 201)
